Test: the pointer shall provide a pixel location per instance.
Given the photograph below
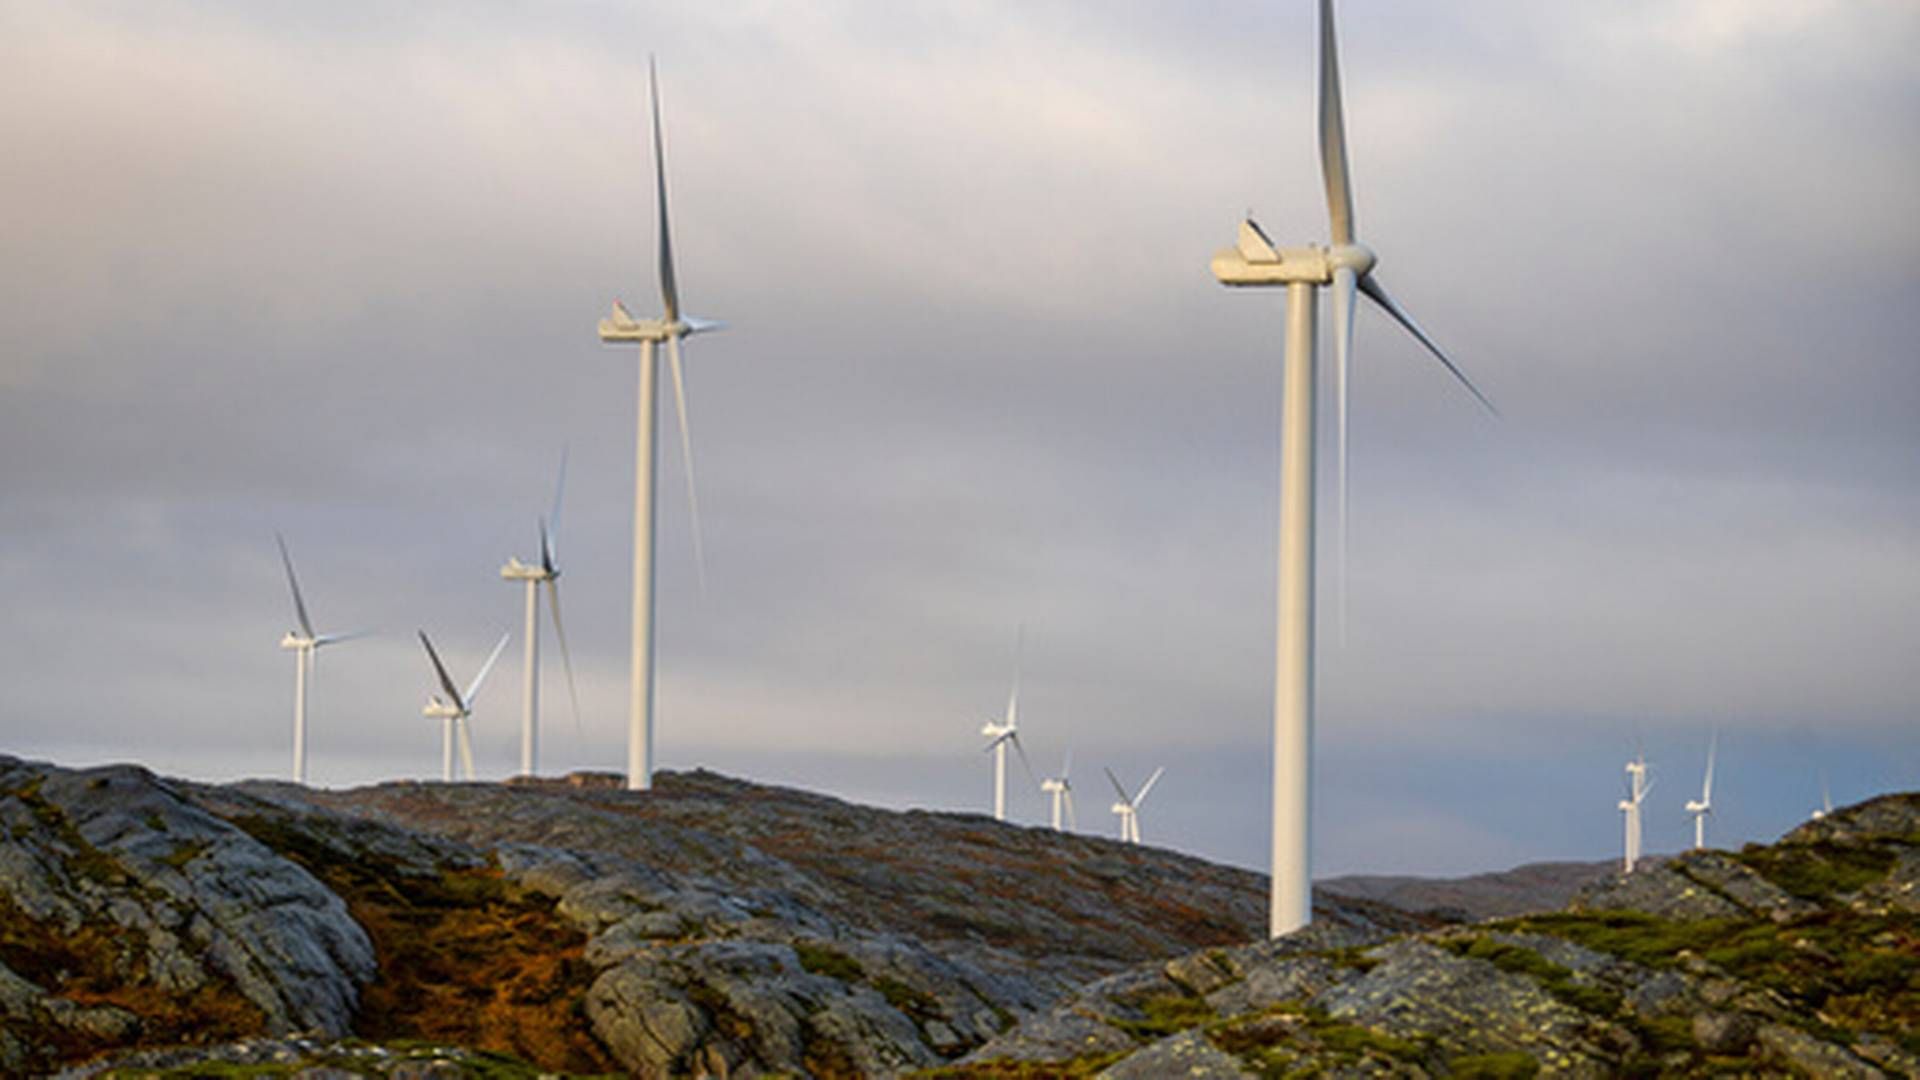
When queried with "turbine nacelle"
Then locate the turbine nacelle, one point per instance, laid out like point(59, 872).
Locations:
point(1698, 807)
point(296, 640)
point(515, 570)
point(621, 326)
point(996, 730)
point(437, 708)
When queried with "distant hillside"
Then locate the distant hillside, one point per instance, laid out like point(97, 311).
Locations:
point(1534, 887)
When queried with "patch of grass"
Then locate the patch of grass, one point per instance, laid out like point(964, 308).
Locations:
point(1003, 1069)
point(1508, 1066)
point(1354, 957)
point(180, 856)
point(1167, 1014)
point(1819, 871)
point(912, 1001)
point(819, 959)
point(1552, 978)
point(1358, 1041)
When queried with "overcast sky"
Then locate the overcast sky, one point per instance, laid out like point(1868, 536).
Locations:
point(334, 270)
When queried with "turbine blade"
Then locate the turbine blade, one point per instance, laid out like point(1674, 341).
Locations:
point(1066, 768)
point(1333, 133)
point(440, 669)
point(1345, 281)
point(550, 529)
point(686, 459)
point(1148, 786)
point(566, 658)
point(299, 605)
point(1071, 823)
point(473, 690)
point(1117, 789)
point(1024, 763)
point(1378, 294)
point(466, 743)
point(669, 291)
point(1019, 655)
point(1713, 746)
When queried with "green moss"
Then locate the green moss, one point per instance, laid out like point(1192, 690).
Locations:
point(1005, 1069)
point(1819, 871)
point(1508, 1066)
point(1353, 956)
point(180, 856)
point(1167, 1014)
point(1553, 978)
point(821, 960)
point(1358, 1041)
point(914, 1002)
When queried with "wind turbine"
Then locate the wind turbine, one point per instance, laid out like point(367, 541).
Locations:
point(1826, 798)
point(1061, 788)
point(1128, 808)
point(456, 707)
point(1006, 732)
point(305, 643)
point(1704, 805)
point(668, 329)
point(547, 570)
point(1348, 267)
point(1637, 789)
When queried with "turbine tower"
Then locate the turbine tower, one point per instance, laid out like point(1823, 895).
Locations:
point(546, 571)
point(667, 329)
point(1703, 806)
point(1005, 732)
point(1128, 808)
point(1347, 266)
point(1637, 788)
point(1061, 788)
point(454, 709)
point(305, 643)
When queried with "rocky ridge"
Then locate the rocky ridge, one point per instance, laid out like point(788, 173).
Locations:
point(709, 926)
point(1798, 958)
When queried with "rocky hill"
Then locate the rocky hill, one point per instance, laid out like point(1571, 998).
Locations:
point(709, 925)
point(714, 927)
point(1800, 958)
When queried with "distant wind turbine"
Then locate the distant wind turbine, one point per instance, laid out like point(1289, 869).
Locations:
point(1061, 788)
point(1826, 798)
point(1703, 806)
point(1347, 266)
point(1128, 808)
point(547, 570)
point(305, 644)
point(1006, 732)
point(1637, 789)
point(456, 708)
point(668, 329)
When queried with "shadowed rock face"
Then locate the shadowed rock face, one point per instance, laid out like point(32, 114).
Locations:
point(1798, 958)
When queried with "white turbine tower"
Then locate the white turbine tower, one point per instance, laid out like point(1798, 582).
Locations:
point(1347, 266)
point(1006, 732)
point(1061, 788)
point(1637, 789)
point(1128, 808)
point(547, 571)
point(668, 329)
point(1703, 806)
point(305, 643)
point(455, 709)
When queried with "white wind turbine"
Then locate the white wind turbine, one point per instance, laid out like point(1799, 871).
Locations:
point(1347, 266)
point(1826, 798)
point(1637, 789)
point(456, 708)
point(1006, 732)
point(1703, 806)
point(1061, 788)
point(547, 570)
point(668, 329)
point(305, 644)
point(1128, 808)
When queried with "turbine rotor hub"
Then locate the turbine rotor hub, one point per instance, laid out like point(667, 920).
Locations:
point(1356, 257)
